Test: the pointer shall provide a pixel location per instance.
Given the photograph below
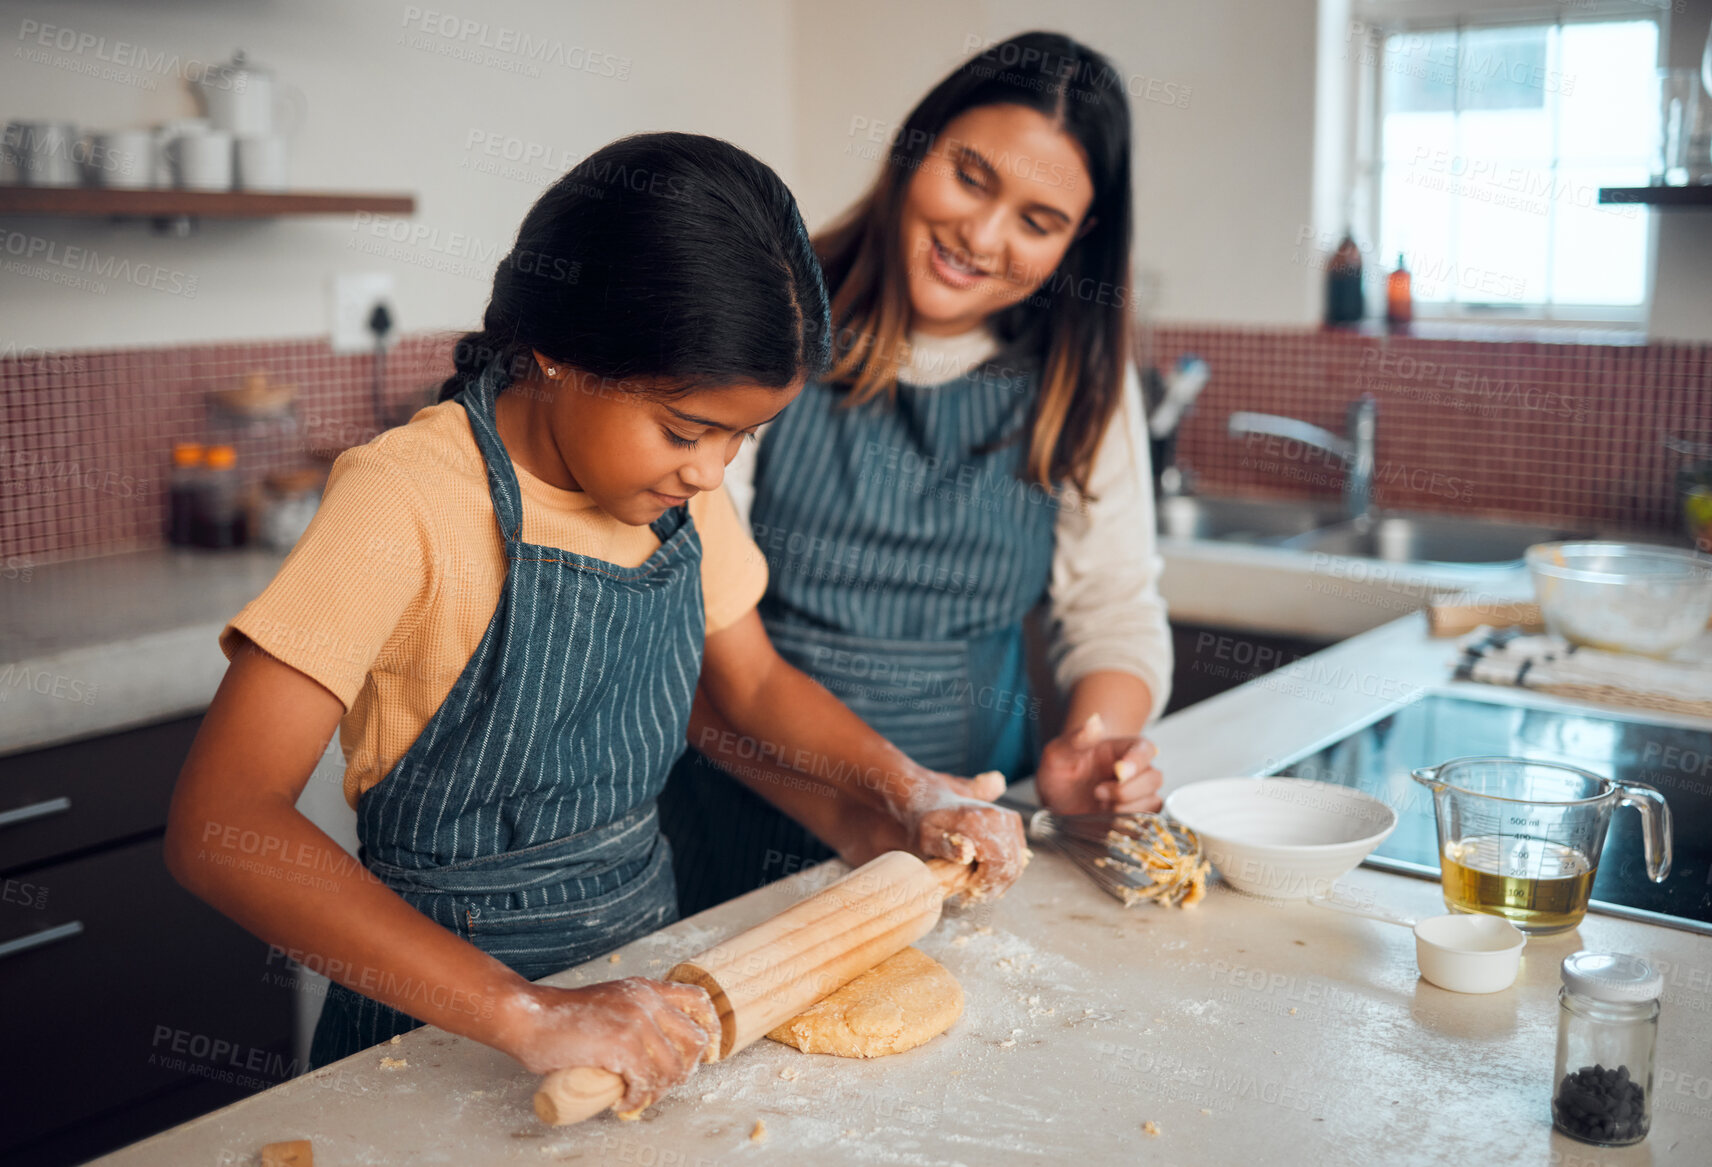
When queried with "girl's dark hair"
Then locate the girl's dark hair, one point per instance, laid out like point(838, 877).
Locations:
point(668, 261)
point(1076, 322)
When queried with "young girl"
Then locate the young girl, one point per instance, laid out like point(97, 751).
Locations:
point(503, 606)
point(976, 448)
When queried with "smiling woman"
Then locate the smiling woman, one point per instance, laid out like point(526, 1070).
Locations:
point(975, 448)
point(991, 179)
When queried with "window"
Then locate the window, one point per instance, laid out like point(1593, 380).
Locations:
point(1489, 147)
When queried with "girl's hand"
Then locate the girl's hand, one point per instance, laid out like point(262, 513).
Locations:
point(650, 1033)
point(953, 818)
point(1087, 772)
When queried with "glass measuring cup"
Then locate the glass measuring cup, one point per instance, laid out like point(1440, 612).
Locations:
point(1521, 839)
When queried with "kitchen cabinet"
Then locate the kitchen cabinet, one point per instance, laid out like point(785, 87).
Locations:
point(132, 1006)
point(1208, 660)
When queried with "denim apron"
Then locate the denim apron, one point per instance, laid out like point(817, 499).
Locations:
point(904, 549)
point(523, 818)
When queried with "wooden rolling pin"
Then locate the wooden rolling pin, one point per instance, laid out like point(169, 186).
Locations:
point(775, 970)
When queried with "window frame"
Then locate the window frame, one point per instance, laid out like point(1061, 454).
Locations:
point(1366, 140)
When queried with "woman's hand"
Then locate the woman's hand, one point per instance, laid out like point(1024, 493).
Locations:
point(953, 818)
point(1088, 772)
point(650, 1033)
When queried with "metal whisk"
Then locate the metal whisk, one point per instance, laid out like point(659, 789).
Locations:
point(1132, 857)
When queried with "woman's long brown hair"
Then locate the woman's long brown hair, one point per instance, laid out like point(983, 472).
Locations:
point(1076, 322)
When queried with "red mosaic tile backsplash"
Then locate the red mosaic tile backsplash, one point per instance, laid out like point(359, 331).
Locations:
point(1508, 430)
point(86, 437)
point(1561, 431)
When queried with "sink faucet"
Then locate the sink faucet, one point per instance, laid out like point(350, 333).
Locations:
point(1355, 451)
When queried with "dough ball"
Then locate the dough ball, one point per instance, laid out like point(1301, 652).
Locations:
point(894, 1006)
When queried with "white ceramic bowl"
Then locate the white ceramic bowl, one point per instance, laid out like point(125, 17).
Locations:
point(1281, 838)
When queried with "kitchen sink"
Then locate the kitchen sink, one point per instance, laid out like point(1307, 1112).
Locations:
point(1430, 539)
point(1395, 537)
point(1239, 520)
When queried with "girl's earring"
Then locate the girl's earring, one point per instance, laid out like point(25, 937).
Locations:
point(552, 370)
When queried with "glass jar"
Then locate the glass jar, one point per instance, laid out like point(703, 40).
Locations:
point(1607, 1028)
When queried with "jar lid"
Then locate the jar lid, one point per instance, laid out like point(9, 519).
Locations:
point(1611, 976)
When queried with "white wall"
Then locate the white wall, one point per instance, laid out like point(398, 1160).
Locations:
point(381, 115)
point(1223, 186)
point(1225, 175)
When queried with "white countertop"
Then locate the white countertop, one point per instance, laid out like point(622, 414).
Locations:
point(99, 645)
point(1250, 1032)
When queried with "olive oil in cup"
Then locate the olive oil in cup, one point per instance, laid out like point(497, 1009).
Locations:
point(1521, 839)
point(1540, 887)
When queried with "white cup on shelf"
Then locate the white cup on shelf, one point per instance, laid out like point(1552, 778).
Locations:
point(42, 153)
point(165, 134)
point(122, 159)
point(202, 161)
point(260, 163)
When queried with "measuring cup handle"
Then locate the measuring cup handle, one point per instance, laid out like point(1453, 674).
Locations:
point(1655, 826)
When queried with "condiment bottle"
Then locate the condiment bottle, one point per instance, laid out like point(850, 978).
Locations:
point(1607, 1029)
point(182, 485)
point(219, 520)
point(1399, 300)
point(1344, 300)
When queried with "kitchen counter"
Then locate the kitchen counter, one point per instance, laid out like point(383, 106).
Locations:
point(1249, 1032)
point(98, 645)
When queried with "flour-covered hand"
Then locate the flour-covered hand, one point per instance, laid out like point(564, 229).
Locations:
point(650, 1033)
point(953, 818)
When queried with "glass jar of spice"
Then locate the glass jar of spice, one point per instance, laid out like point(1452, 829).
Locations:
point(1607, 1028)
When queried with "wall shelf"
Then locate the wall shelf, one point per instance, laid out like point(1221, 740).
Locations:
point(105, 203)
point(1658, 196)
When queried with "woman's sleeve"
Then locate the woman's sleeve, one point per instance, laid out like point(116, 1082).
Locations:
point(1106, 612)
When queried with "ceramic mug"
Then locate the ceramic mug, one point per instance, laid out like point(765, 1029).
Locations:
point(260, 163)
point(120, 158)
point(202, 161)
point(164, 133)
point(42, 153)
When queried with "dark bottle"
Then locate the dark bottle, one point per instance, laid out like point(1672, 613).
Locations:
point(1344, 301)
point(219, 520)
point(182, 488)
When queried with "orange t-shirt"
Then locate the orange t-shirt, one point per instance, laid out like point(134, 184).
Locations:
point(386, 596)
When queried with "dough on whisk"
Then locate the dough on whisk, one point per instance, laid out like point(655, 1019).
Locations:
point(894, 1006)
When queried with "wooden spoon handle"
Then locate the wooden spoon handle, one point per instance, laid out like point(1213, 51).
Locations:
point(567, 1096)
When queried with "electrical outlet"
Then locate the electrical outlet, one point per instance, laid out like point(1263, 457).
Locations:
point(353, 299)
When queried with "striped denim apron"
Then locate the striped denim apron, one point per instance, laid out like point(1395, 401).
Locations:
point(523, 818)
point(904, 549)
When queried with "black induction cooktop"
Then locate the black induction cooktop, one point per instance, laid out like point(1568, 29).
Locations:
point(1675, 759)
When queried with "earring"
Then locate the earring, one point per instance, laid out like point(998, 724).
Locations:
point(552, 370)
